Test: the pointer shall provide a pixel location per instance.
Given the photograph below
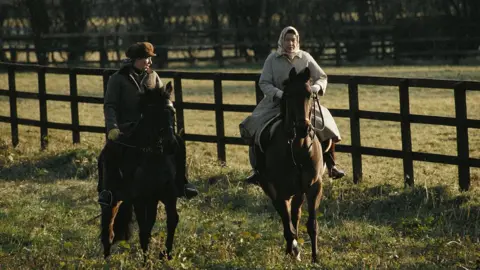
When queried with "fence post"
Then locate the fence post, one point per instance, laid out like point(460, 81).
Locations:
point(13, 105)
point(106, 77)
point(177, 81)
point(42, 92)
point(258, 92)
point(462, 136)
point(219, 120)
point(27, 51)
point(74, 106)
point(103, 52)
point(338, 54)
point(13, 55)
point(406, 134)
point(355, 130)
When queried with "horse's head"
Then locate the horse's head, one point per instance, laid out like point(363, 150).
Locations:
point(296, 102)
point(158, 113)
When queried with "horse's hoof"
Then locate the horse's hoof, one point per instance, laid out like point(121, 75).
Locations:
point(164, 255)
point(106, 256)
point(296, 250)
point(106, 252)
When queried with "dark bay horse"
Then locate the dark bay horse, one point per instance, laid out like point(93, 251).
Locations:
point(139, 168)
point(294, 163)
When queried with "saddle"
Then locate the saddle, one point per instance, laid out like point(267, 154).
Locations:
point(264, 136)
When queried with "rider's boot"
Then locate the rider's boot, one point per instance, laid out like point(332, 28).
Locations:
point(257, 160)
point(333, 171)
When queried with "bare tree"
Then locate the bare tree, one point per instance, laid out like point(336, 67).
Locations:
point(254, 21)
point(75, 16)
point(214, 11)
point(153, 15)
point(40, 24)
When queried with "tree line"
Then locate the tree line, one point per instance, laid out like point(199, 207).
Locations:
point(251, 25)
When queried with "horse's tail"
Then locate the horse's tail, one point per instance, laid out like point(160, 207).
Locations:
point(122, 225)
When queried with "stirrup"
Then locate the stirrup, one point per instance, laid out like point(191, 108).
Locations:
point(105, 198)
point(254, 178)
point(190, 191)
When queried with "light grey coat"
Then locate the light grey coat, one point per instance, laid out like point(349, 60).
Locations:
point(275, 71)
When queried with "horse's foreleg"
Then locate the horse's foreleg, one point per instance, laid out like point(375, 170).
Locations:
point(313, 198)
point(146, 213)
point(105, 230)
point(283, 208)
point(172, 221)
point(296, 210)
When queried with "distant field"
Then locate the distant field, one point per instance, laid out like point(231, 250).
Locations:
point(46, 197)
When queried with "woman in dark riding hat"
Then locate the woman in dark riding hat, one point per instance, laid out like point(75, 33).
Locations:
point(121, 109)
point(275, 71)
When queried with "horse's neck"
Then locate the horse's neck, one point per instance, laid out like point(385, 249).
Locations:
point(143, 134)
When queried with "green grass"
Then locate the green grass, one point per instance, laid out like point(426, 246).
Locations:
point(47, 198)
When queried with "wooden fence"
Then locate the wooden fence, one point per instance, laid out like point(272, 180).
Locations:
point(460, 121)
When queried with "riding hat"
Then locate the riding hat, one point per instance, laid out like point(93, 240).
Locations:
point(140, 50)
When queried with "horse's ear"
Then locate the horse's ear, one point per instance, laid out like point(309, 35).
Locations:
point(292, 73)
point(169, 88)
point(306, 74)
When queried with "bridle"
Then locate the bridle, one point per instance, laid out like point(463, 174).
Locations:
point(156, 148)
point(311, 128)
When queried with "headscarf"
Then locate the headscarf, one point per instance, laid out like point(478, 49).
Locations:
point(281, 49)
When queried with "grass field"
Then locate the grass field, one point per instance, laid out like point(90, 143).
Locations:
point(47, 198)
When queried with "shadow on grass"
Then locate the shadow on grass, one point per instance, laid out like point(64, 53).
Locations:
point(79, 164)
point(413, 212)
point(12, 243)
point(230, 193)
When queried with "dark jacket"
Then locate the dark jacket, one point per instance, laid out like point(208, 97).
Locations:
point(121, 99)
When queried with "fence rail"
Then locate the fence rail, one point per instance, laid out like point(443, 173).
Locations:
point(460, 121)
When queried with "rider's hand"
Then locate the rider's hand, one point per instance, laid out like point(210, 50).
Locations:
point(113, 134)
point(278, 95)
point(317, 89)
point(149, 69)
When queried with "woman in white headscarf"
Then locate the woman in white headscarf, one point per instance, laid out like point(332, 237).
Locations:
point(275, 71)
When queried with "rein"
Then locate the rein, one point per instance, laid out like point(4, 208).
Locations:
point(316, 101)
point(158, 149)
point(151, 149)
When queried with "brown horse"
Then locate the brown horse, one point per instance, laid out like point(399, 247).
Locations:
point(294, 163)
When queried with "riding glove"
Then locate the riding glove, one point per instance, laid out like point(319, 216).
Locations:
point(278, 95)
point(317, 89)
point(113, 134)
